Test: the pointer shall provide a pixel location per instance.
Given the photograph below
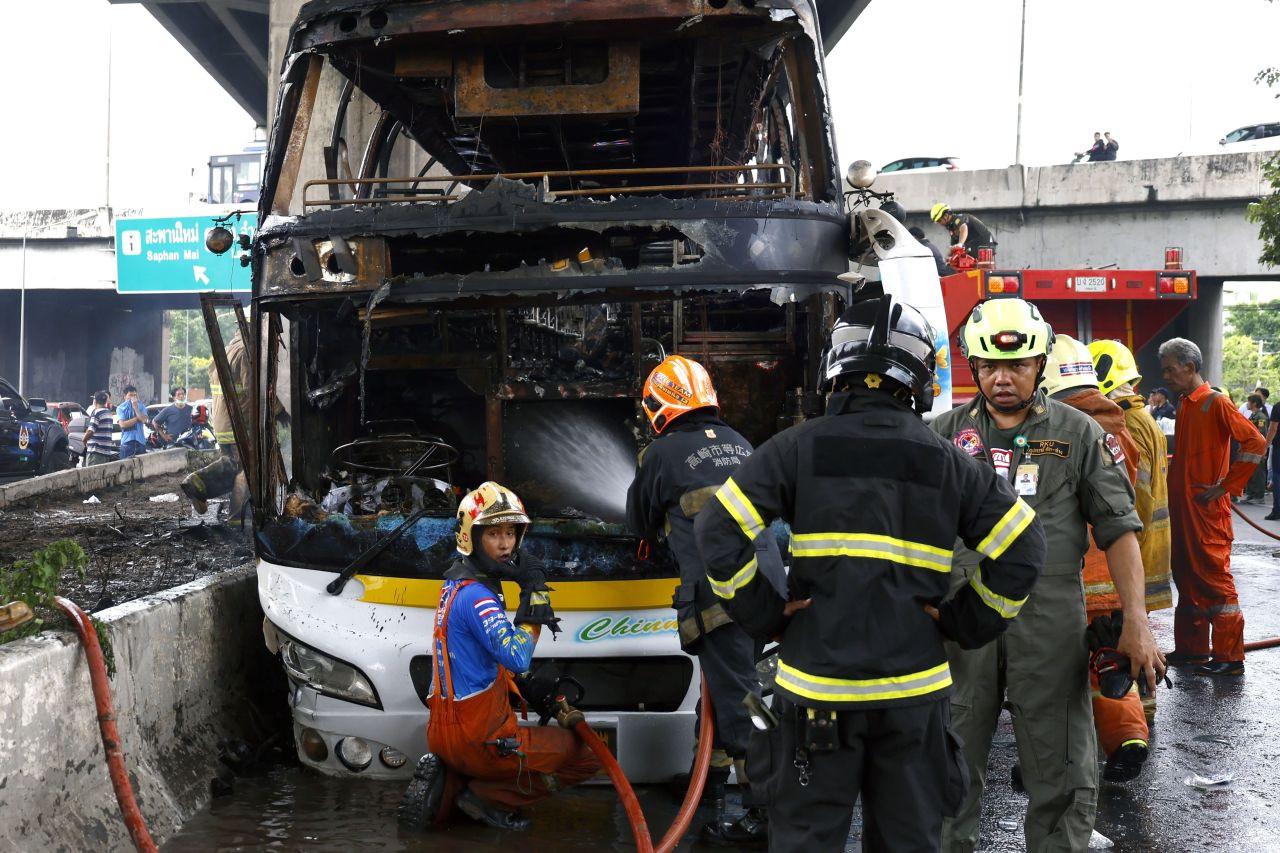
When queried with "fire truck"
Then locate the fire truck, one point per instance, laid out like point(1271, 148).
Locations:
point(1130, 306)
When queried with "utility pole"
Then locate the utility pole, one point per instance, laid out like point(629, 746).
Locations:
point(1022, 50)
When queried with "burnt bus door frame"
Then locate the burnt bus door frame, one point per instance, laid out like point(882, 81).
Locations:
point(231, 392)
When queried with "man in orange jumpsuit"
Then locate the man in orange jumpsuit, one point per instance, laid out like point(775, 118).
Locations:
point(1201, 484)
point(1120, 724)
point(478, 752)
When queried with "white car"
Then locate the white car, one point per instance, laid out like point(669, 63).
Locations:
point(922, 164)
point(1253, 137)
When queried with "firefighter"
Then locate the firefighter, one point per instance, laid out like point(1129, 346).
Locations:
point(1118, 378)
point(480, 760)
point(694, 453)
point(965, 229)
point(224, 474)
point(1201, 484)
point(1067, 468)
point(1120, 723)
point(875, 502)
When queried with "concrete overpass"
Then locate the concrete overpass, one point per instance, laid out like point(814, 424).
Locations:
point(1120, 214)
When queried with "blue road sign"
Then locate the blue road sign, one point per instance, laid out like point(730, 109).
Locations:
point(169, 256)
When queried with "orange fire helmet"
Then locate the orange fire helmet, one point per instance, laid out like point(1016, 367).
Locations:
point(676, 386)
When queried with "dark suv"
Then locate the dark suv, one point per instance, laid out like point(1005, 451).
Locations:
point(31, 440)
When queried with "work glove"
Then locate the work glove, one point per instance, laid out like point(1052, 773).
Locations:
point(535, 601)
point(1111, 667)
point(540, 688)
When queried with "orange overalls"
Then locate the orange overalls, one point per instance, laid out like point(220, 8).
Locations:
point(1117, 721)
point(553, 758)
point(1202, 535)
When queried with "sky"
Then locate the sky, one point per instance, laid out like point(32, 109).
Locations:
point(911, 78)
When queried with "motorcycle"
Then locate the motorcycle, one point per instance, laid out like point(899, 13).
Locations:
point(199, 436)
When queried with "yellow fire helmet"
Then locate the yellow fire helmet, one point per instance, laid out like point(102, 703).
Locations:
point(1070, 365)
point(491, 503)
point(938, 211)
point(1005, 329)
point(1114, 364)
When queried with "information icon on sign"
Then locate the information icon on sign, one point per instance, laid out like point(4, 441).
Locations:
point(131, 242)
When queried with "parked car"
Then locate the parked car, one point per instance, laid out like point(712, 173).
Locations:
point(1252, 137)
point(31, 439)
point(923, 164)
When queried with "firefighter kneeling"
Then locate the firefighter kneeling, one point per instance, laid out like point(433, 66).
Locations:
point(480, 759)
point(876, 501)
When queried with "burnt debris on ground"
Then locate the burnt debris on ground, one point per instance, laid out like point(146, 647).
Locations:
point(136, 546)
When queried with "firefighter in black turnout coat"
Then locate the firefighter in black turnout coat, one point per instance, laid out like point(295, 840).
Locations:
point(677, 475)
point(875, 501)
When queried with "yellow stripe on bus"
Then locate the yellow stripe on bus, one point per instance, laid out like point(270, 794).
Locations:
point(566, 595)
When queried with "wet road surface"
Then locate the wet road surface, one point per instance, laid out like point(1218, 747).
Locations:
point(1210, 727)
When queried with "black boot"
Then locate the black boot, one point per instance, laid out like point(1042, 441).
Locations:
point(420, 803)
point(750, 830)
point(712, 791)
point(487, 813)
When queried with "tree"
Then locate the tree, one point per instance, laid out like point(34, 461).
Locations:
point(1245, 367)
point(1257, 320)
point(1265, 213)
point(189, 352)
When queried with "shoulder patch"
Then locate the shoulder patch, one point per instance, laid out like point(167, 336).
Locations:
point(1049, 447)
point(968, 440)
point(1112, 444)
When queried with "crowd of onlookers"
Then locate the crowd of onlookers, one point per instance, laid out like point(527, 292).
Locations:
point(138, 430)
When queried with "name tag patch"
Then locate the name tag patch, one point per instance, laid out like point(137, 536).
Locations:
point(1049, 447)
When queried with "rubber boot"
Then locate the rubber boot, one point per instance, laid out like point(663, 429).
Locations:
point(420, 804)
point(489, 814)
point(712, 791)
point(1126, 762)
point(750, 830)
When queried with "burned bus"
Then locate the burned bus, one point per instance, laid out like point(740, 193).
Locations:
point(481, 224)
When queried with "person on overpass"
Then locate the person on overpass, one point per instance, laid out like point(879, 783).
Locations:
point(693, 454)
point(1120, 723)
point(876, 503)
point(1096, 152)
point(480, 760)
point(1208, 627)
point(1061, 463)
point(965, 229)
point(1118, 378)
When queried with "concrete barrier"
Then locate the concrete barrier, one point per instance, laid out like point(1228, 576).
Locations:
point(85, 480)
point(191, 666)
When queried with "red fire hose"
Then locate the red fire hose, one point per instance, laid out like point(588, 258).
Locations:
point(107, 724)
point(1253, 523)
point(639, 826)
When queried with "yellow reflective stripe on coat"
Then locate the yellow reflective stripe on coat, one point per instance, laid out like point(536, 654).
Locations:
point(1006, 607)
point(826, 689)
point(1007, 529)
point(873, 546)
point(727, 589)
point(733, 500)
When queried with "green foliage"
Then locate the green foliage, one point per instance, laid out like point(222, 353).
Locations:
point(189, 352)
point(1245, 368)
point(35, 580)
point(1257, 320)
point(1265, 213)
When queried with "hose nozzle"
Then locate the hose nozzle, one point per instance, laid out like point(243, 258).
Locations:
point(567, 715)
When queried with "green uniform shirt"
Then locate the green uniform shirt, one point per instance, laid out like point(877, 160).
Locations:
point(1064, 465)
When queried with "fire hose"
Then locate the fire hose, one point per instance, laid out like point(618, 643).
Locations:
point(1249, 521)
point(639, 826)
point(107, 724)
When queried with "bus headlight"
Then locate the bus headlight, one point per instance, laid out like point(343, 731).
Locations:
point(327, 674)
